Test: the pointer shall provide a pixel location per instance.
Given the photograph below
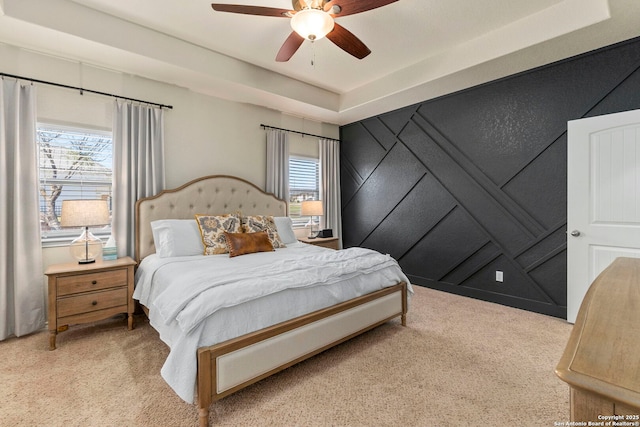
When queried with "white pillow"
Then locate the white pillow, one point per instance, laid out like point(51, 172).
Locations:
point(177, 237)
point(284, 225)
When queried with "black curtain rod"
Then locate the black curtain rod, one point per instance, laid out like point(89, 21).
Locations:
point(298, 132)
point(170, 107)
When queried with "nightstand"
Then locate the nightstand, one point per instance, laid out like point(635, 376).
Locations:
point(325, 242)
point(82, 293)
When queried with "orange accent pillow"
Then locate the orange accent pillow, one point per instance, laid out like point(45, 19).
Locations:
point(247, 243)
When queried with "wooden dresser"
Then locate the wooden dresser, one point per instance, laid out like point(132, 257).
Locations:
point(601, 362)
point(81, 293)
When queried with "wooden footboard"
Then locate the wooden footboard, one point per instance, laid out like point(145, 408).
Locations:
point(232, 365)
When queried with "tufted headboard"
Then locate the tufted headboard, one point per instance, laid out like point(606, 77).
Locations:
point(215, 194)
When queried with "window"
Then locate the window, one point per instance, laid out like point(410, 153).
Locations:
point(304, 179)
point(75, 163)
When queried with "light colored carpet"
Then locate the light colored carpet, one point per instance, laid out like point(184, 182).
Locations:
point(459, 362)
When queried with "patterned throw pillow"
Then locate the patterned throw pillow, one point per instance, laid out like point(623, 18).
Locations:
point(212, 228)
point(256, 223)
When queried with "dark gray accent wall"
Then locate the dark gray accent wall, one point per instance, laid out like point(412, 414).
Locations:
point(471, 183)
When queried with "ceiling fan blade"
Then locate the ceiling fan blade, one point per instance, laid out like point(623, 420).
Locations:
point(290, 46)
point(252, 10)
point(350, 7)
point(346, 41)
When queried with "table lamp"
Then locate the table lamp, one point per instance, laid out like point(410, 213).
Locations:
point(85, 213)
point(312, 208)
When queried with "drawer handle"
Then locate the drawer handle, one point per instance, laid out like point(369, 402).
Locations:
point(93, 282)
point(94, 302)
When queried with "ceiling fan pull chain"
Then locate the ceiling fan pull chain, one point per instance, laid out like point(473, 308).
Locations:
point(313, 54)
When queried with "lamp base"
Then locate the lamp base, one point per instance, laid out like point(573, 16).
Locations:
point(86, 248)
point(311, 235)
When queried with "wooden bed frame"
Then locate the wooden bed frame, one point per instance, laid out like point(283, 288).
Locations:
point(232, 365)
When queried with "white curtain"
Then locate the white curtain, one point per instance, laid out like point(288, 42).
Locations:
point(330, 186)
point(138, 142)
point(22, 308)
point(278, 163)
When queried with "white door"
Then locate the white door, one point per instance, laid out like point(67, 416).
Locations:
point(603, 198)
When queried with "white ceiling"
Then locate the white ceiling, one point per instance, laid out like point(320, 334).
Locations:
point(420, 48)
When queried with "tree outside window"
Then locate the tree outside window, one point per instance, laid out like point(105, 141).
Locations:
point(74, 163)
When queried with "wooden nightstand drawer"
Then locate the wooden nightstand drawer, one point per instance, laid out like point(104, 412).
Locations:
point(93, 301)
point(83, 293)
point(91, 282)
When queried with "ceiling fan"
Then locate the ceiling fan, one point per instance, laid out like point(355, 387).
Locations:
point(312, 20)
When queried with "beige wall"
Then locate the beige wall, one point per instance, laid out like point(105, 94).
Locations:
point(204, 135)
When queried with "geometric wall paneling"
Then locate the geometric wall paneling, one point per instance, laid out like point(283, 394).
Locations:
point(501, 125)
point(521, 284)
point(473, 182)
point(364, 153)
point(411, 219)
point(621, 96)
point(464, 183)
point(395, 175)
point(535, 187)
point(551, 276)
point(472, 264)
point(396, 120)
point(350, 180)
point(382, 133)
point(547, 245)
point(439, 251)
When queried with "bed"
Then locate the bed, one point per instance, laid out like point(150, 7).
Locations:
point(220, 344)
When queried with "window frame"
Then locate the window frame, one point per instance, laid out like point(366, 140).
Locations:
point(298, 221)
point(61, 237)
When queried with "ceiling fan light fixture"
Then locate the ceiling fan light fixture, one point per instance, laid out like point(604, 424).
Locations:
point(312, 24)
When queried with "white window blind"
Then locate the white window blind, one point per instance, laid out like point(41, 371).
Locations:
point(304, 176)
point(75, 163)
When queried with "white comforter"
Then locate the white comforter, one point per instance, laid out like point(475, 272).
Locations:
point(202, 300)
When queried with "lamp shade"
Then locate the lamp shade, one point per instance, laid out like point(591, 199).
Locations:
point(312, 208)
point(84, 213)
point(312, 24)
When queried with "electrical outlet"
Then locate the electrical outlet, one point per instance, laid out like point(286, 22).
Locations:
point(499, 276)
